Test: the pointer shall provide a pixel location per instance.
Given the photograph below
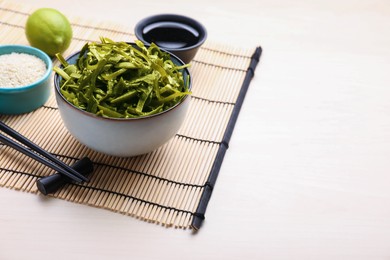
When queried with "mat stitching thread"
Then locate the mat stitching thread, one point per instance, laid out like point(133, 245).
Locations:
point(198, 139)
point(20, 172)
point(219, 66)
point(213, 101)
point(12, 25)
point(161, 179)
point(135, 198)
point(225, 52)
point(108, 191)
point(13, 11)
point(151, 176)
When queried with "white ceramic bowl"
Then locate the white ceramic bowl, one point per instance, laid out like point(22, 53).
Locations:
point(121, 137)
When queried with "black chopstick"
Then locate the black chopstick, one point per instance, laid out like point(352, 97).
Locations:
point(24, 150)
point(52, 161)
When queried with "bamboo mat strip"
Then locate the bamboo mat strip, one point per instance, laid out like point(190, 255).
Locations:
point(170, 186)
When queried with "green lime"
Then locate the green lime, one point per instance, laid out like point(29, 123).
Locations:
point(49, 30)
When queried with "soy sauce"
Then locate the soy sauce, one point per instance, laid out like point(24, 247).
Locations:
point(171, 35)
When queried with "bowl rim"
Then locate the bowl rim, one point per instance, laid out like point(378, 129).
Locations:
point(168, 17)
point(59, 94)
point(32, 51)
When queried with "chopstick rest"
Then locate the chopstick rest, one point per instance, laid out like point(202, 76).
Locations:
point(52, 183)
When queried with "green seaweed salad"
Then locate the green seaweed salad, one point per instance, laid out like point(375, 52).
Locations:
point(119, 80)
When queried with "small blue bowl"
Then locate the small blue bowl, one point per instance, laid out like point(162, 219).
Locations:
point(24, 99)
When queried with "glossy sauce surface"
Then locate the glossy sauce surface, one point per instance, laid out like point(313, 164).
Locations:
point(173, 35)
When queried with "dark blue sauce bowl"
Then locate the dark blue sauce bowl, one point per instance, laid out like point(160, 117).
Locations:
point(178, 34)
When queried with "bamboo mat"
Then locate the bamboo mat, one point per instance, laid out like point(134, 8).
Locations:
point(171, 185)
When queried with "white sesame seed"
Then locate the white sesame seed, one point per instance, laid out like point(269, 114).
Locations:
point(20, 69)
